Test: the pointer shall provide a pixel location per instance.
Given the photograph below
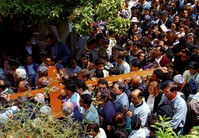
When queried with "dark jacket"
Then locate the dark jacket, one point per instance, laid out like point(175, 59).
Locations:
point(157, 100)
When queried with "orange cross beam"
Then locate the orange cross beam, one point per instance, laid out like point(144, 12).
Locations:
point(126, 76)
point(55, 88)
point(54, 91)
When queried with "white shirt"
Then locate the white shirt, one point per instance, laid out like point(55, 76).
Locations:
point(101, 134)
point(150, 101)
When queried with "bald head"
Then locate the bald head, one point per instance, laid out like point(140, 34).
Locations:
point(136, 81)
point(23, 86)
point(67, 108)
point(136, 97)
point(43, 82)
point(39, 98)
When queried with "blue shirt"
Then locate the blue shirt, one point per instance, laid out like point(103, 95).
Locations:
point(91, 115)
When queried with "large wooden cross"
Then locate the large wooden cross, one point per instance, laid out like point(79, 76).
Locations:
point(126, 76)
point(56, 88)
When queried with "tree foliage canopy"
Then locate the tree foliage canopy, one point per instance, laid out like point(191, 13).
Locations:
point(82, 13)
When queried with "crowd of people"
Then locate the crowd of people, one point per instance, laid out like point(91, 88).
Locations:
point(162, 34)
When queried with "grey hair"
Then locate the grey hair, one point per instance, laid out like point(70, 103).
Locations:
point(39, 98)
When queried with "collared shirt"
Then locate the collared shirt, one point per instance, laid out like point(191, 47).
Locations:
point(142, 111)
point(121, 101)
point(150, 101)
point(31, 71)
point(180, 111)
point(91, 115)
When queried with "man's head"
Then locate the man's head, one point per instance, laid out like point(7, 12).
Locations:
point(80, 86)
point(20, 74)
point(193, 67)
point(39, 98)
point(23, 86)
point(29, 59)
point(136, 96)
point(119, 56)
point(185, 55)
point(118, 88)
point(136, 64)
point(114, 71)
point(3, 85)
point(159, 51)
point(14, 64)
point(171, 89)
point(136, 81)
point(70, 87)
point(67, 109)
point(51, 61)
point(93, 129)
point(86, 101)
point(43, 82)
point(99, 63)
point(102, 84)
point(157, 75)
point(50, 39)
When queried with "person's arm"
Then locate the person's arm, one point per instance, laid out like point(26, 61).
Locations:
point(180, 113)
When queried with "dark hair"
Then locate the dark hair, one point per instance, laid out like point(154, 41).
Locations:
point(161, 49)
point(72, 62)
point(52, 58)
point(161, 35)
point(99, 73)
point(121, 85)
point(120, 54)
point(91, 41)
point(174, 86)
point(151, 121)
point(70, 85)
point(87, 99)
point(85, 73)
point(159, 73)
point(93, 128)
point(104, 94)
point(87, 56)
point(114, 71)
point(103, 55)
point(136, 63)
point(186, 52)
point(3, 85)
point(81, 84)
point(135, 122)
point(194, 65)
point(102, 81)
point(118, 118)
point(99, 36)
point(99, 61)
point(121, 133)
point(13, 62)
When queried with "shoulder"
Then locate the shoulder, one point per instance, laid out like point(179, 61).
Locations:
point(179, 102)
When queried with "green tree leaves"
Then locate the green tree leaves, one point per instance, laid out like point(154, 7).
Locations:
point(106, 10)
